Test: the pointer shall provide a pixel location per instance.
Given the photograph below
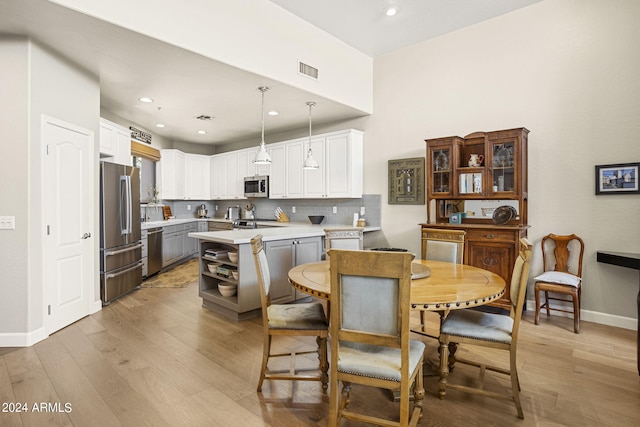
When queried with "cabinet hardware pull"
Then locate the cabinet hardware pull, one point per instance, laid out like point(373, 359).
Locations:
point(490, 236)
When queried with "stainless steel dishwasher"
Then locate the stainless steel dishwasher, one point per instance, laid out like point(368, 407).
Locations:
point(154, 242)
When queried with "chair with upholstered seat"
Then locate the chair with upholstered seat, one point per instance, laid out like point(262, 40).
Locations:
point(440, 245)
point(344, 238)
point(370, 344)
point(557, 278)
point(297, 320)
point(496, 331)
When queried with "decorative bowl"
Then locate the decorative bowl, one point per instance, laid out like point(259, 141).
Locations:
point(227, 290)
point(234, 273)
point(213, 267)
point(316, 219)
point(233, 256)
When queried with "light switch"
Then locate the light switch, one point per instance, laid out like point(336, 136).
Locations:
point(7, 222)
point(293, 209)
point(361, 210)
point(335, 209)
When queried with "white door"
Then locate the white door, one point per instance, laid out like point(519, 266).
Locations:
point(69, 275)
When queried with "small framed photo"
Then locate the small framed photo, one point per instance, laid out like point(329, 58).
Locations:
point(617, 179)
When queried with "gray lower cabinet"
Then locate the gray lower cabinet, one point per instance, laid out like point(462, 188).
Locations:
point(245, 304)
point(176, 243)
point(282, 255)
point(202, 226)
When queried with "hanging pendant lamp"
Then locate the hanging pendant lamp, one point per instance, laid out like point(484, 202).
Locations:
point(262, 157)
point(310, 162)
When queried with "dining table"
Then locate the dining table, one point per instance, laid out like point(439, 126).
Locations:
point(435, 286)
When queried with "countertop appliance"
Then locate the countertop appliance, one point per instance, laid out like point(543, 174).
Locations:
point(202, 211)
point(233, 213)
point(120, 236)
point(256, 186)
point(154, 253)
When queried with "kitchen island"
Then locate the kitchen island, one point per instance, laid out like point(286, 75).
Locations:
point(285, 247)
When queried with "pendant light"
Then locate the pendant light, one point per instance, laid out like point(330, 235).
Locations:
point(310, 162)
point(262, 157)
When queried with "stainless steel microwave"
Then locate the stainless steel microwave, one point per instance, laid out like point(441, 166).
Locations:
point(256, 186)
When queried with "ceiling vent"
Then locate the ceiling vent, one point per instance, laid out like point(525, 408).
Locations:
point(307, 70)
point(204, 117)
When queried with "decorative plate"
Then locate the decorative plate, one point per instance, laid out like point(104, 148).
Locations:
point(419, 271)
point(503, 214)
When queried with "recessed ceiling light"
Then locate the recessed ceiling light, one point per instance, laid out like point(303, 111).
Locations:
point(202, 132)
point(145, 99)
point(273, 113)
point(160, 125)
point(391, 10)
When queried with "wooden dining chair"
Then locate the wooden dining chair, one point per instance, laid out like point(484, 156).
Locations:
point(440, 245)
point(370, 345)
point(558, 278)
point(304, 319)
point(496, 331)
point(344, 238)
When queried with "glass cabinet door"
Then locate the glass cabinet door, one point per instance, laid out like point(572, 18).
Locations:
point(503, 158)
point(441, 170)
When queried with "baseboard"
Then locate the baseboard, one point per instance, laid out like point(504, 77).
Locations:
point(96, 307)
point(591, 316)
point(20, 339)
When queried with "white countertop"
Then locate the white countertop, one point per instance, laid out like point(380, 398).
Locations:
point(176, 221)
point(290, 231)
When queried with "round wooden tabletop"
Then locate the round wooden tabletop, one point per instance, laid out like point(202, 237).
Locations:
point(449, 287)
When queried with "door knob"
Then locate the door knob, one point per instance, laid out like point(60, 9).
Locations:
point(86, 235)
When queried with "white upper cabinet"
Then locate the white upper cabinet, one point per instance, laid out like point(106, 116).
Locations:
point(221, 176)
point(170, 174)
point(197, 177)
point(339, 175)
point(278, 173)
point(340, 171)
point(343, 174)
point(115, 143)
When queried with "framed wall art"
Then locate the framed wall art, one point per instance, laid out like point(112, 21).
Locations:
point(617, 179)
point(406, 181)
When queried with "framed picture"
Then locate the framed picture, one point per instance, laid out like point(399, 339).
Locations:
point(406, 181)
point(617, 179)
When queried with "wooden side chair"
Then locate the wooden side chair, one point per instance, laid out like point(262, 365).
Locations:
point(289, 320)
point(557, 277)
point(496, 331)
point(344, 238)
point(440, 245)
point(370, 345)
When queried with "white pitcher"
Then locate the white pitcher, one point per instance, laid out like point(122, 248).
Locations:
point(475, 160)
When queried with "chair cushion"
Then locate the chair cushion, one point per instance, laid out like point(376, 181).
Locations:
point(559, 278)
point(297, 316)
point(476, 324)
point(376, 361)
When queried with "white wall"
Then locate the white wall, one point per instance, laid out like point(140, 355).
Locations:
point(253, 35)
point(565, 69)
point(38, 82)
point(14, 184)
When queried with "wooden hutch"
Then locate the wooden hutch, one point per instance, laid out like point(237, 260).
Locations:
point(471, 191)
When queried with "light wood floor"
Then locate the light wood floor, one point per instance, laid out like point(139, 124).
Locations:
point(157, 358)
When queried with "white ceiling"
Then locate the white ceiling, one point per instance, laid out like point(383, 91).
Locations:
point(131, 65)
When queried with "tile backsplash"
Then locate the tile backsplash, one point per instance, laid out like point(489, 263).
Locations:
point(265, 209)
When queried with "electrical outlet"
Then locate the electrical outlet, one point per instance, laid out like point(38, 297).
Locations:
point(188, 207)
point(7, 222)
point(293, 209)
point(335, 209)
point(361, 210)
point(216, 207)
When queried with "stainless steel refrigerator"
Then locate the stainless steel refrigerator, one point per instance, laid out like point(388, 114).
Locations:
point(120, 237)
